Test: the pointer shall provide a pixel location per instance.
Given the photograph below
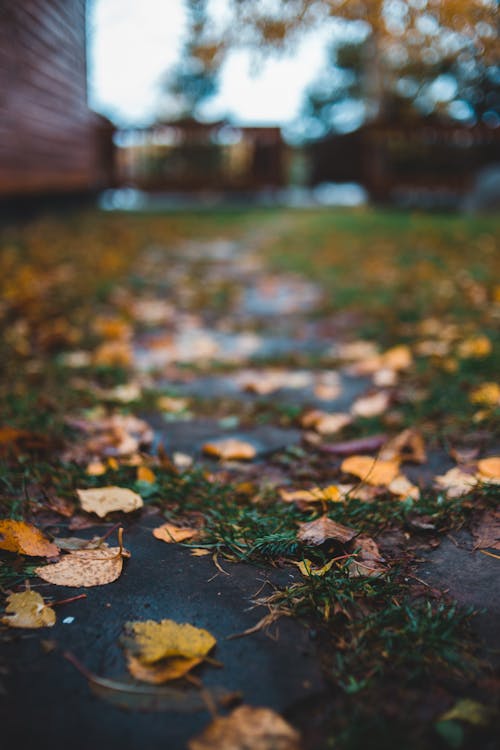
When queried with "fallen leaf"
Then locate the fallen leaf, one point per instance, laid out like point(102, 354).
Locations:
point(169, 532)
point(371, 470)
point(407, 446)
point(487, 394)
point(314, 495)
point(371, 406)
point(144, 474)
point(90, 567)
point(172, 404)
point(475, 347)
point(456, 482)
point(323, 528)
point(104, 500)
point(368, 561)
point(248, 728)
point(487, 531)
point(468, 710)
point(307, 568)
point(358, 445)
point(489, 469)
point(113, 354)
point(152, 641)
point(28, 610)
point(402, 487)
point(163, 671)
point(325, 423)
point(96, 469)
point(230, 449)
point(21, 537)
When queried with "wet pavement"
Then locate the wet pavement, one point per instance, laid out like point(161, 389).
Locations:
point(248, 318)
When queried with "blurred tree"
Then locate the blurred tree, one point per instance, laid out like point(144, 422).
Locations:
point(413, 55)
point(194, 79)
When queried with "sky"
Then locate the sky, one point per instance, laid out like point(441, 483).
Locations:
point(133, 42)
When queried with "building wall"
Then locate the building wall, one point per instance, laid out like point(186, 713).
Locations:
point(49, 139)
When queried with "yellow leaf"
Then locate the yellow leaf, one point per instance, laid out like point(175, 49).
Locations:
point(247, 728)
point(90, 567)
point(152, 641)
point(315, 495)
point(230, 449)
point(144, 474)
point(370, 470)
point(308, 569)
point(468, 710)
point(113, 354)
point(28, 610)
point(21, 537)
point(200, 552)
point(157, 674)
point(487, 394)
point(171, 404)
point(169, 532)
point(104, 500)
point(475, 347)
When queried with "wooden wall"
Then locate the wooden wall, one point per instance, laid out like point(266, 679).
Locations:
point(49, 139)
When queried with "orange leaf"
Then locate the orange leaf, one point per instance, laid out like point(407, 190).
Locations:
point(370, 470)
point(169, 533)
point(230, 449)
point(144, 474)
point(18, 536)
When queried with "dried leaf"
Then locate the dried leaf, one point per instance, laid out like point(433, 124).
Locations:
point(307, 568)
point(153, 641)
point(371, 406)
point(370, 470)
point(323, 528)
point(325, 423)
point(358, 445)
point(315, 495)
point(369, 561)
point(456, 482)
point(169, 532)
point(28, 610)
point(407, 446)
point(104, 500)
point(21, 537)
point(468, 710)
point(230, 449)
point(402, 487)
point(487, 531)
point(92, 567)
point(248, 728)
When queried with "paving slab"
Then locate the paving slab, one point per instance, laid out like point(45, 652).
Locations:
point(48, 704)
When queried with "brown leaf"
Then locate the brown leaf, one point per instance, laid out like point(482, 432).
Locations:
point(169, 532)
point(248, 728)
point(104, 500)
point(369, 561)
point(92, 567)
point(21, 537)
point(407, 446)
point(370, 470)
point(487, 532)
point(456, 482)
point(323, 528)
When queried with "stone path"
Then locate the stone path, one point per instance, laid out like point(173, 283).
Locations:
point(214, 307)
